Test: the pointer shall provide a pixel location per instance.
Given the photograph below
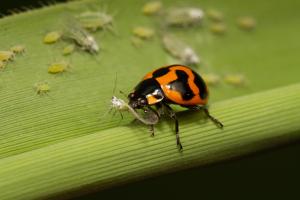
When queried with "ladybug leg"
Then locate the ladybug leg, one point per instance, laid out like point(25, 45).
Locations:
point(214, 120)
point(154, 112)
point(172, 115)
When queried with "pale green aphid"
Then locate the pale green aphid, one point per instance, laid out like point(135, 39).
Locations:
point(76, 33)
point(95, 20)
point(246, 23)
point(6, 56)
point(58, 67)
point(178, 49)
point(137, 42)
point(215, 15)
point(211, 79)
point(18, 49)
point(218, 28)
point(42, 87)
point(52, 37)
point(143, 32)
point(235, 79)
point(69, 49)
point(183, 16)
point(152, 7)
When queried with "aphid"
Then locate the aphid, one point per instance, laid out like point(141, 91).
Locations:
point(152, 7)
point(174, 84)
point(215, 15)
point(180, 50)
point(96, 20)
point(246, 23)
point(2, 65)
point(42, 88)
point(18, 49)
point(218, 28)
point(69, 49)
point(6, 56)
point(52, 37)
point(143, 32)
point(183, 16)
point(211, 79)
point(120, 105)
point(137, 42)
point(235, 79)
point(58, 67)
point(77, 34)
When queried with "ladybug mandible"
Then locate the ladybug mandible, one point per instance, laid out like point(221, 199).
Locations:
point(174, 84)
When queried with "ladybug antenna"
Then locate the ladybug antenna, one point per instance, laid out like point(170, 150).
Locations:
point(123, 93)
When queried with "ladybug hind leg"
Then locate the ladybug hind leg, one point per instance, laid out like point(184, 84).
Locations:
point(173, 116)
point(205, 109)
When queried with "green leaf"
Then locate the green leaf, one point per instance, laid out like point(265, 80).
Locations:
point(60, 142)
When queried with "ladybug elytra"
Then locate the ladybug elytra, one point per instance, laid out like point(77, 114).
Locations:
point(174, 84)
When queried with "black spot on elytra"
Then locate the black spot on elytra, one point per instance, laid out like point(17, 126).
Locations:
point(199, 82)
point(181, 85)
point(160, 72)
point(146, 87)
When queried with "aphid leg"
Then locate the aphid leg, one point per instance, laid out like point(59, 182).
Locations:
point(172, 114)
point(214, 120)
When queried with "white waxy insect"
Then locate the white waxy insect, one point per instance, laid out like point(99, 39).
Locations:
point(180, 50)
point(185, 16)
point(77, 34)
point(94, 21)
point(120, 105)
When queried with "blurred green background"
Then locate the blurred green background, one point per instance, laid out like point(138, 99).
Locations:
point(268, 174)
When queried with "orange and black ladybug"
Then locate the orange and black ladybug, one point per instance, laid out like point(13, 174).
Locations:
point(174, 84)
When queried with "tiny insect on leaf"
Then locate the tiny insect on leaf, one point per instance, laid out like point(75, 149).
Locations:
point(58, 67)
point(69, 49)
point(215, 15)
point(143, 32)
point(6, 56)
point(42, 88)
point(152, 8)
point(52, 37)
point(246, 23)
point(17, 49)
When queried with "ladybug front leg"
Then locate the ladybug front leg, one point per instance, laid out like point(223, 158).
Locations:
point(172, 115)
point(150, 111)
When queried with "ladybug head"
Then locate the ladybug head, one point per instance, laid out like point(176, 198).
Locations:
point(136, 101)
point(147, 92)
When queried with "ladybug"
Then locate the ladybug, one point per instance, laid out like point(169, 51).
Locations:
point(174, 84)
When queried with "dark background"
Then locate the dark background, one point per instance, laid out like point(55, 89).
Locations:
point(270, 174)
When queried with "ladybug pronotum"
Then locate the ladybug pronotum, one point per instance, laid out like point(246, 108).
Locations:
point(174, 84)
